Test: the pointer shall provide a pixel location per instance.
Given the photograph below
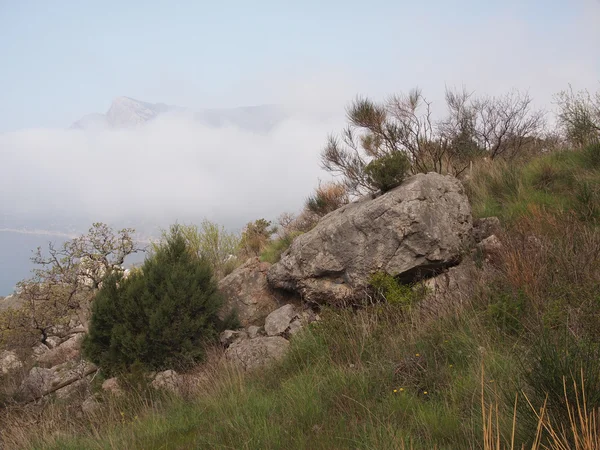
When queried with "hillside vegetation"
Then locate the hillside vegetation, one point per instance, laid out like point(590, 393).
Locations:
point(515, 364)
point(392, 376)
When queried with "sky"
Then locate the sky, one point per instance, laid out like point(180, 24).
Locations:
point(64, 59)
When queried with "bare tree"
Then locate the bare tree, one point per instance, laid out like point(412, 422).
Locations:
point(504, 125)
point(473, 126)
point(579, 115)
point(68, 276)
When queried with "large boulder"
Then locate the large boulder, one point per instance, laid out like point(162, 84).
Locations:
point(251, 354)
point(72, 376)
point(415, 230)
point(246, 291)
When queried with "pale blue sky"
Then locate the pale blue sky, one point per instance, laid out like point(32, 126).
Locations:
point(62, 59)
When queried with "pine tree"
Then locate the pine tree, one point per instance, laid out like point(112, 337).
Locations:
point(161, 316)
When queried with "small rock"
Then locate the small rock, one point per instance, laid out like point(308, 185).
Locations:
point(112, 386)
point(490, 247)
point(254, 353)
point(279, 320)
point(228, 337)
point(39, 350)
point(253, 331)
point(294, 327)
point(9, 361)
point(53, 341)
point(485, 227)
point(167, 380)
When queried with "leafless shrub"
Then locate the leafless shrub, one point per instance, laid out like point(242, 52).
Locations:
point(579, 115)
point(327, 198)
point(473, 127)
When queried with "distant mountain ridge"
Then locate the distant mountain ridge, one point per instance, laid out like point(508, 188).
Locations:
point(126, 112)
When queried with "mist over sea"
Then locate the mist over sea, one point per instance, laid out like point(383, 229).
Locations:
point(16, 250)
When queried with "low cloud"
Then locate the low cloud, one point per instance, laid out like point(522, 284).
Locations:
point(172, 168)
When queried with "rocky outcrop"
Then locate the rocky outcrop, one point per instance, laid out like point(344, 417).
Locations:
point(279, 320)
point(250, 349)
point(9, 361)
point(250, 354)
point(63, 379)
point(68, 350)
point(415, 230)
point(247, 292)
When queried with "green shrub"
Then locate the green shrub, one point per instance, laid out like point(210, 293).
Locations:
point(591, 155)
point(391, 290)
point(160, 316)
point(213, 243)
point(388, 171)
point(274, 249)
point(255, 237)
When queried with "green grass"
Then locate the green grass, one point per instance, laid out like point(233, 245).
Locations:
point(356, 380)
point(561, 181)
point(274, 249)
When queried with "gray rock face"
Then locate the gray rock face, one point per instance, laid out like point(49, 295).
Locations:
point(246, 291)
point(69, 350)
point(251, 354)
point(253, 331)
point(415, 229)
point(279, 320)
point(228, 337)
point(41, 380)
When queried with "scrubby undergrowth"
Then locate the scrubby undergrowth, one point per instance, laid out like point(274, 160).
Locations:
point(390, 376)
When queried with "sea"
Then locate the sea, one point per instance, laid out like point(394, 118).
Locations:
point(16, 250)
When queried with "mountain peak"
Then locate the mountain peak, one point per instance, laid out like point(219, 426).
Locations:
point(127, 112)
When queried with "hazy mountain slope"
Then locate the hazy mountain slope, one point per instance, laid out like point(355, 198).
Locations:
point(127, 112)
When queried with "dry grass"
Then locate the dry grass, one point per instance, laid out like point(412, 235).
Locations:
point(581, 432)
point(327, 198)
